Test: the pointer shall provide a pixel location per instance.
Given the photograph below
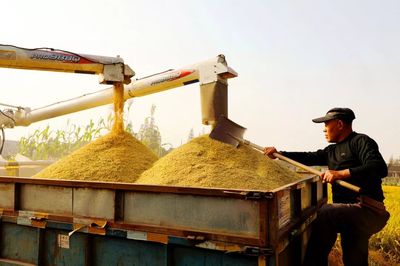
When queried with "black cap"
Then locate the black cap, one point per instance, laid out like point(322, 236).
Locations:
point(344, 114)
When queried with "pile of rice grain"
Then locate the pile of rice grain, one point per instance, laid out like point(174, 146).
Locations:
point(115, 157)
point(204, 162)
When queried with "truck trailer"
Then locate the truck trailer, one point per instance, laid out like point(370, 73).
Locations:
point(68, 222)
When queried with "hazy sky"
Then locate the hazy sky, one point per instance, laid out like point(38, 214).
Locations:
point(295, 59)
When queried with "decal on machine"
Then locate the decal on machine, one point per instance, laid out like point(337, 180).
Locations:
point(56, 57)
point(172, 76)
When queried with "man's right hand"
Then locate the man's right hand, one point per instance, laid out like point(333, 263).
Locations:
point(269, 151)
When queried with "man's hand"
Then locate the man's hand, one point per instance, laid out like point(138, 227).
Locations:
point(269, 151)
point(331, 175)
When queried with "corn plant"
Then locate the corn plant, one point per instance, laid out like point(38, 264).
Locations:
point(48, 144)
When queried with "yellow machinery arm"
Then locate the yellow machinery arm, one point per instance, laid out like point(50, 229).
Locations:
point(109, 69)
point(211, 74)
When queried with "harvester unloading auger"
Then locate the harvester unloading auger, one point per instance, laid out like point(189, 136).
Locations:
point(212, 75)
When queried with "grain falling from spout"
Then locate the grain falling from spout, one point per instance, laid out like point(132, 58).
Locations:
point(118, 98)
point(115, 157)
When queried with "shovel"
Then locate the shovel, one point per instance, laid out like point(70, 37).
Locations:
point(231, 133)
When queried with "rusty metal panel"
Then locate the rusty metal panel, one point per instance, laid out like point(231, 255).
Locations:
point(284, 209)
point(60, 249)
point(98, 203)
point(7, 191)
point(117, 251)
point(182, 256)
point(19, 243)
point(211, 214)
point(50, 199)
point(306, 195)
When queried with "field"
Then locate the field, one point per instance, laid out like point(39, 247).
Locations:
point(387, 241)
point(385, 245)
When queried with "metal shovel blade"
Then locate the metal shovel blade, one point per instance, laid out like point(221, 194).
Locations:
point(226, 130)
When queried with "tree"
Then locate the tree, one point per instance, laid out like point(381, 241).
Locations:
point(393, 161)
point(150, 135)
point(191, 135)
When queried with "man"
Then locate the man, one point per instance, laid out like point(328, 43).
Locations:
point(354, 158)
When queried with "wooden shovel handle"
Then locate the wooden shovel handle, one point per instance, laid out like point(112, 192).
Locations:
point(316, 172)
point(304, 167)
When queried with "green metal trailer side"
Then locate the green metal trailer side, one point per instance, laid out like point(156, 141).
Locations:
point(63, 222)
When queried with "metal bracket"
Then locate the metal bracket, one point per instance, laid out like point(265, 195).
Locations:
point(6, 118)
point(112, 73)
point(77, 227)
point(97, 227)
point(34, 219)
point(195, 239)
point(257, 251)
point(216, 70)
point(259, 195)
point(252, 194)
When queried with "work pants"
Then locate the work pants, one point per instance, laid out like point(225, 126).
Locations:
point(356, 224)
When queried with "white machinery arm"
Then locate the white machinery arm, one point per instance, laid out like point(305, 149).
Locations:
point(211, 74)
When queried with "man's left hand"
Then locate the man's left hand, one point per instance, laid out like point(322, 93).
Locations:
point(331, 175)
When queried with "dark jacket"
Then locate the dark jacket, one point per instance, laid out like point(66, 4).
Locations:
point(361, 155)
